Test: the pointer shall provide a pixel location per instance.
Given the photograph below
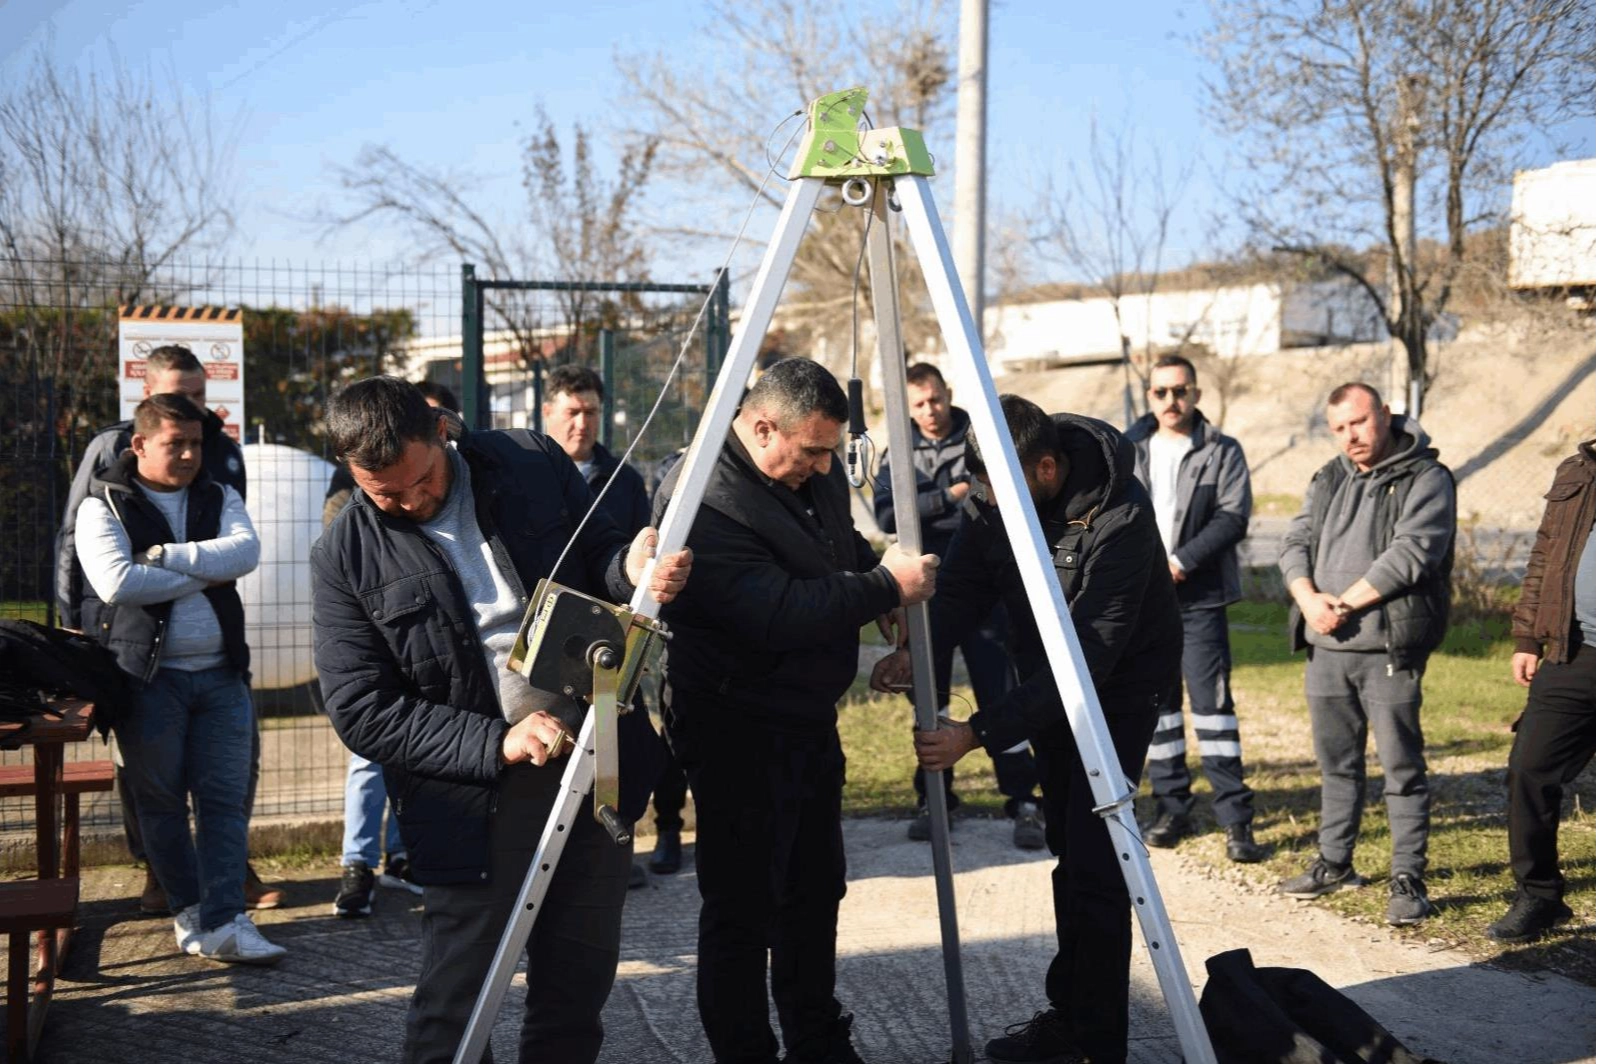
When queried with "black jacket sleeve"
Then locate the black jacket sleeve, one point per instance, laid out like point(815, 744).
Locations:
point(756, 597)
point(967, 589)
point(1115, 571)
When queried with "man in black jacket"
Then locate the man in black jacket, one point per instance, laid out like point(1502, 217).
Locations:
point(169, 370)
point(938, 432)
point(418, 589)
point(1111, 566)
point(766, 641)
point(571, 417)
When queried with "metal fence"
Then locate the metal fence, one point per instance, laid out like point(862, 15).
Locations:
point(307, 330)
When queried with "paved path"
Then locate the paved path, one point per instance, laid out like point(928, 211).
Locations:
point(340, 995)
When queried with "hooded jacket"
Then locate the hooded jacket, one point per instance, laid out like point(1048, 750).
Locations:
point(1214, 500)
point(402, 670)
point(220, 457)
point(768, 625)
point(1545, 616)
point(939, 465)
point(1393, 526)
point(1112, 569)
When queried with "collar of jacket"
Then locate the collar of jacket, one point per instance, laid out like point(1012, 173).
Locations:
point(604, 463)
point(1101, 460)
point(956, 435)
point(121, 475)
point(1142, 429)
point(1588, 451)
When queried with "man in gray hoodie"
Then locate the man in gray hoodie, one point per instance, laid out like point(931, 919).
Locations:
point(1369, 564)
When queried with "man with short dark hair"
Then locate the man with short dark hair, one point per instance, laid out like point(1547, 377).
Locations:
point(765, 641)
point(366, 842)
point(161, 546)
point(418, 590)
point(1368, 562)
point(1109, 561)
point(170, 369)
point(1555, 630)
point(1197, 477)
point(572, 411)
point(939, 430)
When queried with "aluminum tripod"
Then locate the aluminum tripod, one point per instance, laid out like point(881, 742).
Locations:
point(872, 167)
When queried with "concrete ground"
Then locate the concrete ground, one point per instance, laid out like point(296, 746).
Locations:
point(129, 997)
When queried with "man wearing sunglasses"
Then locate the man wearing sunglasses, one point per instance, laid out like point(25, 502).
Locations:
point(1198, 478)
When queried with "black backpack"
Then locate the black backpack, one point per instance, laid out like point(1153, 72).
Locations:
point(1289, 1016)
point(35, 661)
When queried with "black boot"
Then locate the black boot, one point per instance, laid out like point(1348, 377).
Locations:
point(1528, 917)
point(667, 856)
point(1168, 829)
point(1239, 844)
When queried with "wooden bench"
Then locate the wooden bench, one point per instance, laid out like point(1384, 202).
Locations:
point(25, 907)
point(77, 778)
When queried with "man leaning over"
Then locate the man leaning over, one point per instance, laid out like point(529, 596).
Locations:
point(1110, 565)
point(766, 640)
point(418, 589)
point(1368, 563)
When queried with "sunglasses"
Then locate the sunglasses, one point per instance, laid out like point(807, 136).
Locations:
point(1180, 391)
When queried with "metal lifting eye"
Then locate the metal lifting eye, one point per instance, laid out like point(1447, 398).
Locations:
point(856, 192)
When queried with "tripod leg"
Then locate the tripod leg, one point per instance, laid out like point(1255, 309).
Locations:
point(1112, 793)
point(890, 349)
point(722, 405)
point(574, 786)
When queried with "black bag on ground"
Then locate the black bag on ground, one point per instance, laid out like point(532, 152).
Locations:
point(58, 662)
point(1289, 1016)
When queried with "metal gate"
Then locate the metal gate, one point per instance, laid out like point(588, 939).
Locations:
point(512, 332)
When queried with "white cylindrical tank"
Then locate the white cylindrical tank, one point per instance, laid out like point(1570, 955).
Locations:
point(286, 491)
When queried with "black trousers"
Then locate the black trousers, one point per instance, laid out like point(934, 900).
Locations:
point(670, 792)
point(1553, 740)
point(1089, 980)
point(571, 954)
point(771, 873)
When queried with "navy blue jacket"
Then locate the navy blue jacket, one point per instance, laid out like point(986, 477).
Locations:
point(939, 465)
point(627, 501)
point(402, 669)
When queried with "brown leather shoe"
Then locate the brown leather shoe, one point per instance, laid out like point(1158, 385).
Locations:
point(258, 895)
point(153, 901)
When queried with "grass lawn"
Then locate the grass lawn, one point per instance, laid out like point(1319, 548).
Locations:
point(12, 610)
point(1470, 702)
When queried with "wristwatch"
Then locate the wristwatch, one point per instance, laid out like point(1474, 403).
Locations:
point(155, 555)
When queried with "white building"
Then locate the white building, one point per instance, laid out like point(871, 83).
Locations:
point(1255, 319)
point(1552, 240)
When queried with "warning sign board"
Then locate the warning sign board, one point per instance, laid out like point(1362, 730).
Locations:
point(214, 334)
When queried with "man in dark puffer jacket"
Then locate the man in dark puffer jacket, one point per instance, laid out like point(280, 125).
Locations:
point(418, 588)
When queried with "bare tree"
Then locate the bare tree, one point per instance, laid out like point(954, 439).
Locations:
point(1365, 123)
point(580, 225)
point(718, 127)
point(105, 180)
point(1110, 225)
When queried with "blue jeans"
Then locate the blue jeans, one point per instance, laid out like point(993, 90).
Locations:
point(188, 735)
point(365, 795)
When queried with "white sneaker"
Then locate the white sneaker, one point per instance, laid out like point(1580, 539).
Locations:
point(186, 926)
point(239, 942)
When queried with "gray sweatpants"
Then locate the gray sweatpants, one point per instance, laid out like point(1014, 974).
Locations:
point(1349, 694)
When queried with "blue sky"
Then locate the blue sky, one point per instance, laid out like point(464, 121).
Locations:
point(306, 85)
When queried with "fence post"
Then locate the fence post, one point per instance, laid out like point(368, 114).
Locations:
point(607, 377)
point(473, 381)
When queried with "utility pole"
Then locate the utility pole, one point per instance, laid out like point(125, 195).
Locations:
point(970, 159)
point(1405, 309)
